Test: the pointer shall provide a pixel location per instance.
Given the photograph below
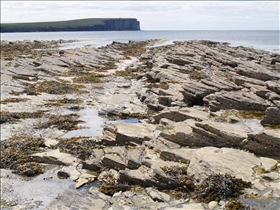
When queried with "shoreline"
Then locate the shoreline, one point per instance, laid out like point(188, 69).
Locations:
point(236, 38)
point(205, 111)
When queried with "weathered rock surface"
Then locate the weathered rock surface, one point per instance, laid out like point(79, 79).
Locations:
point(272, 116)
point(172, 105)
point(235, 100)
point(76, 200)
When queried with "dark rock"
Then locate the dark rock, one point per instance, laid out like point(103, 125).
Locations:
point(62, 175)
point(134, 158)
point(194, 92)
point(113, 161)
point(266, 143)
point(272, 116)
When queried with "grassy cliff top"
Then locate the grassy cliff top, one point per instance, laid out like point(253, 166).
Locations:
point(72, 23)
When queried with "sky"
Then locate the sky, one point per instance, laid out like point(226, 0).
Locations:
point(153, 15)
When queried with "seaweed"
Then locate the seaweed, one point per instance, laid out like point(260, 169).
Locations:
point(61, 102)
point(108, 65)
point(89, 78)
point(247, 114)
point(163, 85)
point(185, 185)
point(126, 73)
point(51, 87)
point(29, 169)
point(13, 100)
point(108, 183)
point(17, 149)
point(134, 48)
point(218, 187)
point(236, 205)
point(13, 117)
point(62, 122)
point(81, 147)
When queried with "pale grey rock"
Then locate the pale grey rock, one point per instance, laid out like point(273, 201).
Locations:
point(271, 176)
point(222, 83)
point(56, 157)
point(257, 72)
point(84, 179)
point(195, 206)
point(179, 133)
point(113, 161)
point(268, 164)
point(136, 133)
point(212, 205)
point(208, 160)
point(242, 80)
point(178, 115)
point(166, 122)
point(134, 158)
point(235, 100)
point(76, 200)
point(157, 195)
point(274, 85)
point(131, 200)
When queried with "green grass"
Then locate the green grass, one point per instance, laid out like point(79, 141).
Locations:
point(88, 22)
point(80, 22)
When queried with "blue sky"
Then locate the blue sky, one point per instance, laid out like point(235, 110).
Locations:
point(153, 15)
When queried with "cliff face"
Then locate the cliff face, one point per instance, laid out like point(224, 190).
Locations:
point(122, 24)
point(93, 24)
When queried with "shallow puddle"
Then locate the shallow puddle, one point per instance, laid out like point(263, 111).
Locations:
point(261, 204)
point(253, 125)
point(36, 193)
point(94, 124)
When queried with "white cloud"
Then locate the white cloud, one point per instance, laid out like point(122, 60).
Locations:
point(153, 15)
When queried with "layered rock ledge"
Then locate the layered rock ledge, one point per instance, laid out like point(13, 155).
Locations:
point(192, 125)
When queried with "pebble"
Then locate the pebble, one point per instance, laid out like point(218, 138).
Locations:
point(213, 204)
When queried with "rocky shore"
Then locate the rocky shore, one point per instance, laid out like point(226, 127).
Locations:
point(139, 125)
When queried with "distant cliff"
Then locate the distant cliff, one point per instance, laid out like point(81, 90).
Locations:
point(90, 24)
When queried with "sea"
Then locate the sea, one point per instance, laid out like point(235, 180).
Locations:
point(259, 39)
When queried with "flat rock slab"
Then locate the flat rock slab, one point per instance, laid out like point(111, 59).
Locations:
point(76, 200)
point(136, 133)
point(56, 157)
point(235, 100)
point(209, 160)
point(178, 115)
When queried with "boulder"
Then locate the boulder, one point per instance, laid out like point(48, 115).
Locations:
point(272, 116)
point(266, 143)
